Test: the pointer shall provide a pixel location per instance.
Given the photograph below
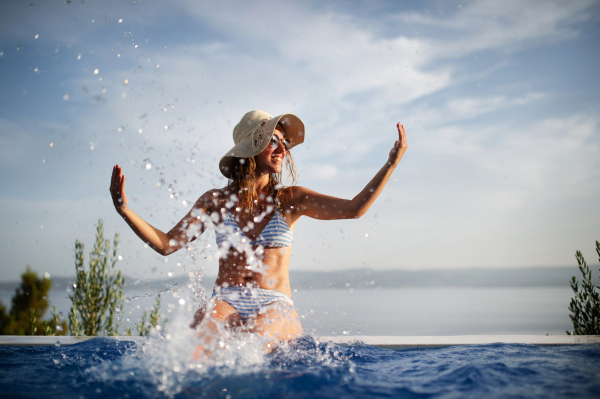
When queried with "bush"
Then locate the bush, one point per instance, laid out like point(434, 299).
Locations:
point(28, 307)
point(143, 328)
point(98, 293)
point(585, 306)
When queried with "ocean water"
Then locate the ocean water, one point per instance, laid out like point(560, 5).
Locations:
point(103, 368)
point(405, 311)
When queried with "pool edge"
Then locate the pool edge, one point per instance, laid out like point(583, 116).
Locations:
point(383, 342)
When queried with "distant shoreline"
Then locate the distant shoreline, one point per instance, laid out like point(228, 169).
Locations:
point(370, 279)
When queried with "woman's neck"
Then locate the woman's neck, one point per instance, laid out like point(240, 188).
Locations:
point(261, 183)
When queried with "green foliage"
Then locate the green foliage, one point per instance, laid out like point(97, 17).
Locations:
point(97, 297)
point(585, 306)
point(143, 328)
point(28, 307)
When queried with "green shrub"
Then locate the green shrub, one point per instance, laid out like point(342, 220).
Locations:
point(29, 304)
point(143, 328)
point(97, 298)
point(585, 306)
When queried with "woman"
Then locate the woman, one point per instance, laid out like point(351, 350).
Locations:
point(246, 297)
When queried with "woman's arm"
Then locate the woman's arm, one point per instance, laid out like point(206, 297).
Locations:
point(319, 206)
point(163, 243)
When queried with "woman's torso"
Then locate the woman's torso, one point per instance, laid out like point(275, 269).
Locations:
point(274, 273)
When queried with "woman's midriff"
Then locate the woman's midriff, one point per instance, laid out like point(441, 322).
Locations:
point(233, 271)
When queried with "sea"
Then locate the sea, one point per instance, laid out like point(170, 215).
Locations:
point(422, 311)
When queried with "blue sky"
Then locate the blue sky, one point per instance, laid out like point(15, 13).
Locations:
point(499, 99)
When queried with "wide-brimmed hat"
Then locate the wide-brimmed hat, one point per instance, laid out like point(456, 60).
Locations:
point(253, 133)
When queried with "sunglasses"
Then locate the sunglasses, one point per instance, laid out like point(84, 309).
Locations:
point(275, 143)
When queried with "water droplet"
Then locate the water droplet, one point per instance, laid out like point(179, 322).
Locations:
point(59, 327)
point(1, 53)
point(172, 242)
point(184, 203)
point(51, 144)
point(140, 131)
point(57, 343)
point(47, 276)
point(120, 129)
point(75, 285)
point(36, 36)
point(366, 235)
point(96, 71)
point(61, 315)
point(18, 47)
point(120, 257)
point(123, 95)
point(182, 301)
point(166, 127)
point(148, 166)
point(79, 56)
point(170, 274)
point(157, 65)
point(125, 81)
point(120, 20)
point(92, 145)
point(66, 97)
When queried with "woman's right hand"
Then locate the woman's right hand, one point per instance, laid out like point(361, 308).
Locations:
point(117, 189)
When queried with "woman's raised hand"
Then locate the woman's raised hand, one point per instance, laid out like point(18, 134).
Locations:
point(117, 189)
point(399, 147)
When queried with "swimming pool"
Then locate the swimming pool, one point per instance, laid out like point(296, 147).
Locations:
point(306, 368)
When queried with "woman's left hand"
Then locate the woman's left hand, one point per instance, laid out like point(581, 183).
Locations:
point(399, 147)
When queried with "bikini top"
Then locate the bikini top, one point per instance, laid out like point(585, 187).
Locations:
point(276, 234)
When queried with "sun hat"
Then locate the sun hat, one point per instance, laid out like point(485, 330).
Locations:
point(253, 133)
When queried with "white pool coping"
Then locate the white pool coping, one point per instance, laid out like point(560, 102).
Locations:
point(384, 342)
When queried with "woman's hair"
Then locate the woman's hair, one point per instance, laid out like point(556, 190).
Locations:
point(244, 177)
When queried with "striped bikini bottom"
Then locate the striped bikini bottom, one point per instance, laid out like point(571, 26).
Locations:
point(249, 301)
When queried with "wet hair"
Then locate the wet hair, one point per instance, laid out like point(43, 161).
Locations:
point(244, 177)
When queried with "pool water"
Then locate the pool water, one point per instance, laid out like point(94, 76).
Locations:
point(305, 368)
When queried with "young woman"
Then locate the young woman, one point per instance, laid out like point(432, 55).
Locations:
point(255, 209)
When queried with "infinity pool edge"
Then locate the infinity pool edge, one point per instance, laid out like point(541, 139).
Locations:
point(384, 342)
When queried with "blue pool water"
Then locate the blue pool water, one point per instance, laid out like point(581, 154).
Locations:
point(102, 368)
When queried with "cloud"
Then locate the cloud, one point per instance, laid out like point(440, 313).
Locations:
point(508, 25)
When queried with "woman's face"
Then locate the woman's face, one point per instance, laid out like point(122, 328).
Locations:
point(271, 159)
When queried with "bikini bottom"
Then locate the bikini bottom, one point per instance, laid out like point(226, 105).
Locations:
point(249, 301)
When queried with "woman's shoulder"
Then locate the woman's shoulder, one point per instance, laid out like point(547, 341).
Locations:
point(214, 198)
point(298, 191)
point(294, 194)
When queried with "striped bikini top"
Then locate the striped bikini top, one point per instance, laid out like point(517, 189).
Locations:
point(276, 234)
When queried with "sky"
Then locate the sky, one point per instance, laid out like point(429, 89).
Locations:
point(500, 101)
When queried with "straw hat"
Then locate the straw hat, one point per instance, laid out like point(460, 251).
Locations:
point(253, 133)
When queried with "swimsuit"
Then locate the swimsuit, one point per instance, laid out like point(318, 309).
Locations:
point(249, 301)
point(276, 234)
